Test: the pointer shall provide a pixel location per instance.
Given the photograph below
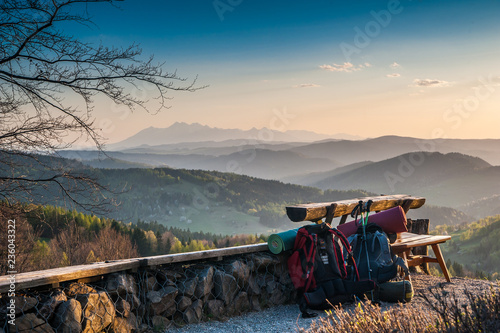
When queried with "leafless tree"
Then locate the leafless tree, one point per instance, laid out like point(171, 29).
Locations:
point(43, 71)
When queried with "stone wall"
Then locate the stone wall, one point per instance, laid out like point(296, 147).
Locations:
point(155, 297)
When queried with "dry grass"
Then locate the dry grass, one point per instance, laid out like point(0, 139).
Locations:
point(441, 311)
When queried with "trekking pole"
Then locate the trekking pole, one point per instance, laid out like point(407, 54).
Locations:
point(366, 208)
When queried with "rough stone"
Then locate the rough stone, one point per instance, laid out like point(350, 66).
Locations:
point(197, 307)
point(160, 323)
point(168, 277)
point(122, 308)
point(240, 271)
point(162, 302)
point(205, 282)
point(271, 286)
point(277, 297)
point(215, 308)
point(255, 303)
point(152, 284)
point(189, 316)
point(124, 325)
point(253, 287)
point(183, 303)
point(24, 304)
point(188, 287)
point(77, 288)
point(48, 308)
point(265, 263)
point(68, 317)
point(241, 303)
point(31, 323)
point(98, 311)
point(121, 284)
point(135, 302)
point(225, 287)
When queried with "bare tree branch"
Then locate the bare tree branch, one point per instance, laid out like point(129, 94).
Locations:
point(42, 72)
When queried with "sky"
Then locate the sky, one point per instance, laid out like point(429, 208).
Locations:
point(427, 69)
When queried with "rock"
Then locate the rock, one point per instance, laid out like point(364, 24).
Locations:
point(122, 307)
point(68, 317)
point(255, 303)
point(168, 277)
point(22, 304)
point(205, 282)
point(188, 287)
point(98, 311)
point(183, 303)
point(48, 308)
point(215, 308)
point(189, 316)
point(271, 286)
point(198, 309)
point(160, 323)
point(277, 297)
point(162, 302)
point(124, 325)
point(77, 288)
point(253, 288)
point(31, 323)
point(135, 302)
point(240, 271)
point(143, 328)
point(264, 262)
point(152, 284)
point(121, 284)
point(225, 287)
point(241, 303)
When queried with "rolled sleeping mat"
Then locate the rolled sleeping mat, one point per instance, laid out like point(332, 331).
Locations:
point(282, 241)
point(393, 292)
point(391, 221)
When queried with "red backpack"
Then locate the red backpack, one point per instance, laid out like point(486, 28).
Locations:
point(322, 268)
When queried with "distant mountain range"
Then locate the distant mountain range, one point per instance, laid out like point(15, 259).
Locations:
point(184, 133)
point(461, 174)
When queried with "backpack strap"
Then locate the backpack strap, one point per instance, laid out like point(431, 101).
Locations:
point(401, 263)
point(310, 256)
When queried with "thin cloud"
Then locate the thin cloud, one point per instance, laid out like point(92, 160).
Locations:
point(430, 83)
point(307, 85)
point(393, 75)
point(345, 67)
point(395, 65)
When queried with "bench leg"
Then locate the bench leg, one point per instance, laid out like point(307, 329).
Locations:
point(405, 255)
point(440, 259)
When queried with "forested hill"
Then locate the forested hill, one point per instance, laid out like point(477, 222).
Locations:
point(210, 201)
point(474, 249)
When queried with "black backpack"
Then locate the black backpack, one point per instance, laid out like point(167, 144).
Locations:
point(323, 269)
point(382, 265)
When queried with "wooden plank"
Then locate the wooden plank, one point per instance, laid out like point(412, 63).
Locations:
point(190, 256)
point(408, 240)
point(316, 211)
point(57, 275)
point(70, 273)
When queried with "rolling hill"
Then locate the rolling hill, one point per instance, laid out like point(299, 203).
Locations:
point(450, 180)
point(260, 163)
point(385, 147)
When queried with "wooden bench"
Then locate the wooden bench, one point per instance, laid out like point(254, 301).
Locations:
point(405, 242)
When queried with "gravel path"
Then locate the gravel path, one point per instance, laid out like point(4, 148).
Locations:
point(286, 318)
